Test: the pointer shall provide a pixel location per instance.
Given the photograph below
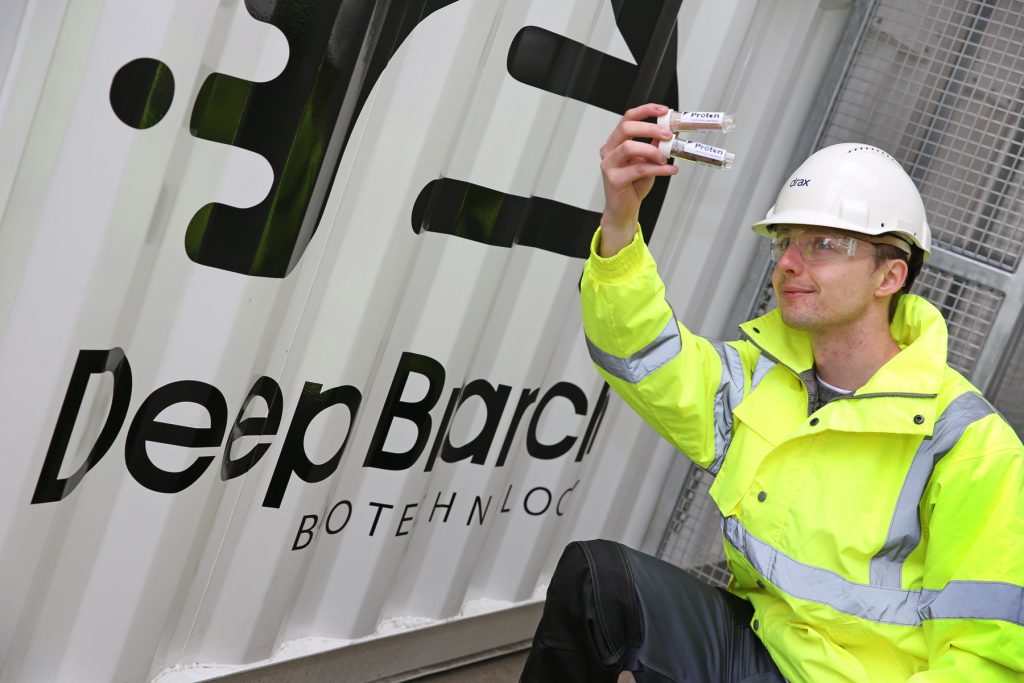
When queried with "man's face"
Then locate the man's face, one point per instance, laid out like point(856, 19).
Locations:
point(823, 278)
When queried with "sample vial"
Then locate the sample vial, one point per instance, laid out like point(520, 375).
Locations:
point(696, 151)
point(676, 121)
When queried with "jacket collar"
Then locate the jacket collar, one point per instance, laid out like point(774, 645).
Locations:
point(917, 369)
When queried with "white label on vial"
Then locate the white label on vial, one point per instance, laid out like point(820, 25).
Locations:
point(706, 151)
point(700, 116)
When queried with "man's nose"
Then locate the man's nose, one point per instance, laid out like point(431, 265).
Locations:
point(790, 259)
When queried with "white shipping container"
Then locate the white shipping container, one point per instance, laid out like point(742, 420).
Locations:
point(291, 357)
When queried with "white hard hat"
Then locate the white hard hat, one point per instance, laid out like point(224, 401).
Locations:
point(853, 187)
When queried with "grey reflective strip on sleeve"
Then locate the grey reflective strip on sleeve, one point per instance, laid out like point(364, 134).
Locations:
point(727, 397)
point(905, 529)
point(632, 369)
point(958, 600)
point(764, 364)
point(975, 600)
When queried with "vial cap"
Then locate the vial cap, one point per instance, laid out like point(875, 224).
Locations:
point(665, 147)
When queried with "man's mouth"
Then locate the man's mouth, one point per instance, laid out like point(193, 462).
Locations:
point(791, 292)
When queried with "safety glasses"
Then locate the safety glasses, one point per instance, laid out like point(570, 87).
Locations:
point(818, 246)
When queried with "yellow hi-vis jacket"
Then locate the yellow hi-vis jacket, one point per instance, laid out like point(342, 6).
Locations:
point(880, 538)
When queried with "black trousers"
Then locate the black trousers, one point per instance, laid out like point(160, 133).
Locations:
point(611, 609)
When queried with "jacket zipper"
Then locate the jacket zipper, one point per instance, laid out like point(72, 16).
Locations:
point(796, 374)
point(884, 394)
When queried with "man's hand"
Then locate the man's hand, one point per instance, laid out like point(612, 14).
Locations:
point(628, 168)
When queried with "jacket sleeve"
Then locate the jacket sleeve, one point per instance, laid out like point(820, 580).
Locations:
point(674, 379)
point(973, 603)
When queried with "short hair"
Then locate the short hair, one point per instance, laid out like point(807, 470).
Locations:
point(888, 252)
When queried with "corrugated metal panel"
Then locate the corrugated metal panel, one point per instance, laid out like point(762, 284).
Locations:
point(291, 349)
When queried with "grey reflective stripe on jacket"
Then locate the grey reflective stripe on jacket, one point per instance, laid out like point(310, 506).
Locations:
point(634, 368)
point(958, 600)
point(975, 600)
point(764, 364)
point(729, 395)
point(905, 530)
point(821, 585)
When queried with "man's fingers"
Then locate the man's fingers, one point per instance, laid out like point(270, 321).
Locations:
point(627, 130)
point(645, 111)
point(629, 166)
point(633, 160)
point(634, 125)
point(645, 129)
point(623, 154)
point(625, 175)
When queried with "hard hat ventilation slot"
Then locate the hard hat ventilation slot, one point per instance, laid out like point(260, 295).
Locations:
point(869, 148)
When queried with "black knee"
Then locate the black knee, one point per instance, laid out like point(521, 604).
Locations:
point(571, 571)
point(592, 590)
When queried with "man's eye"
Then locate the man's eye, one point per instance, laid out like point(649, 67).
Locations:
point(824, 244)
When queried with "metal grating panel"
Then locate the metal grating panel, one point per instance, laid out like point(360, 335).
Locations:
point(969, 309)
point(765, 299)
point(692, 539)
point(1007, 397)
point(937, 84)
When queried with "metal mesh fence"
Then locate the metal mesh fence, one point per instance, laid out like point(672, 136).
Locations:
point(692, 539)
point(969, 309)
point(1007, 394)
point(937, 84)
point(766, 300)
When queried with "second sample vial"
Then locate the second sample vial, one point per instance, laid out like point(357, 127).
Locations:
point(697, 152)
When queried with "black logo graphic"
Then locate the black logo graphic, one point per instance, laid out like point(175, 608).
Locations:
point(145, 427)
point(141, 92)
point(301, 121)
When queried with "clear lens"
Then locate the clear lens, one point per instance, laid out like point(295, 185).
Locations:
point(814, 246)
point(779, 246)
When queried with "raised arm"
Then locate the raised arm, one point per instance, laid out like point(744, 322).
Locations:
point(628, 168)
point(674, 379)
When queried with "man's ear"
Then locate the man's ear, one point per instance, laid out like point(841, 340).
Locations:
point(894, 274)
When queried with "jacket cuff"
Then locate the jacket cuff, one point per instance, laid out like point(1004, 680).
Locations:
point(630, 260)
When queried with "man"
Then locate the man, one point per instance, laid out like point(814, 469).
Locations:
point(872, 502)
